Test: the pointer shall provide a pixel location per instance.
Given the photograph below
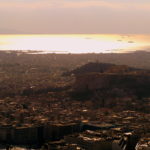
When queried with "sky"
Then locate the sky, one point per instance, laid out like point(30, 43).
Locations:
point(74, 16)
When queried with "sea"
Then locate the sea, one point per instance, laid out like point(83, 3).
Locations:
point(75, 43)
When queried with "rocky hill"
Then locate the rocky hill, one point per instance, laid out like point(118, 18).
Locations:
point(135, 83)
point(113, 86)
point(104, 68)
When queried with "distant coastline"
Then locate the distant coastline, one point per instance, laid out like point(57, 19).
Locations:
point(138, 59)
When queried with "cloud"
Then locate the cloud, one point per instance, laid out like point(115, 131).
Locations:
point(75, 16)
point(117, 5)
point(111, 4)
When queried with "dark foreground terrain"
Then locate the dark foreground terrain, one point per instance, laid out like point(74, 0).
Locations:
point(73, 102)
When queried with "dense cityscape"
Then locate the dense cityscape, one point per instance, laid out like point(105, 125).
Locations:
point(92, 106)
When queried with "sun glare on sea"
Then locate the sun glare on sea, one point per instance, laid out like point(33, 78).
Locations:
point(74, 43)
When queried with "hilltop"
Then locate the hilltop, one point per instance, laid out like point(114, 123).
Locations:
point(104, 68)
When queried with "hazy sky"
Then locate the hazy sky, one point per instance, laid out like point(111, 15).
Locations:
point(74, 16)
